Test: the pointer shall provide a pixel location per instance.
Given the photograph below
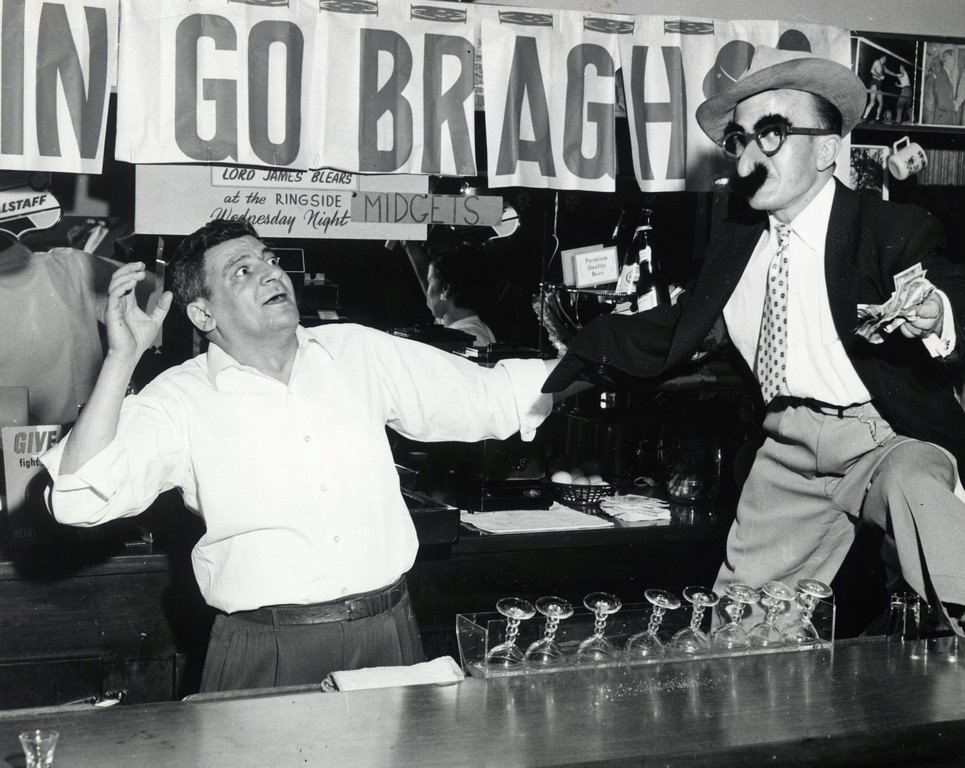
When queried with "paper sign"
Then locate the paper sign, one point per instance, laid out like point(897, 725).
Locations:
point(590, 266)
point(26, 478)
point(454, 210)
point(24, 209)
point(177, 199)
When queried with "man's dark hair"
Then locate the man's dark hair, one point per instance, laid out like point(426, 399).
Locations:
point(463, 270)
point(187, 265)
point(829, 116)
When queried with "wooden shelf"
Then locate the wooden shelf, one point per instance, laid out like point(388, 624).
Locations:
point(929, 136)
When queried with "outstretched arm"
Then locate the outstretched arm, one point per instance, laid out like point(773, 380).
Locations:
point(130, 331)
point(572, 389)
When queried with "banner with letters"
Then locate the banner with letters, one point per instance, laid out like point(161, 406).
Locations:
point(374, 87)
point(58, 61)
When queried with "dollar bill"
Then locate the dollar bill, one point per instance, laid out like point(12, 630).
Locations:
point(912, 288)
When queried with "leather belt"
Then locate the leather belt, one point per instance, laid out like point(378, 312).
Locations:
point(828, 409)
point(347, 608)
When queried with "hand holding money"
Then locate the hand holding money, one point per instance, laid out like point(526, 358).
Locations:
point(927, 319)
point(913, 307)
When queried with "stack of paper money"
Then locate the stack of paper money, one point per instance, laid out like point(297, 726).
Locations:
point(911, 289)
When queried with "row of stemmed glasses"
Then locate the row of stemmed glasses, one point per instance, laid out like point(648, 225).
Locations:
point(773, 595)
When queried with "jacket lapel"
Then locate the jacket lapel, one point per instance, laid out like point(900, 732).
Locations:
point(840, 252)
point(841, 255)
point(728, 252)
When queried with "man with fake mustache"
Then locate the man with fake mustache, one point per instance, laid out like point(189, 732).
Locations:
point(855, 430)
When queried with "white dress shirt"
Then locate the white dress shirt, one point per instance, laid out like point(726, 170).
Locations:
point(474, 326)
point(817, 365)
point(296, 483)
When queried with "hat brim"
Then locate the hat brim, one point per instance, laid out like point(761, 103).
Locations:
point(824, 77)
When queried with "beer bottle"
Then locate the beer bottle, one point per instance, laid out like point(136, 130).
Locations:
point(629, 269)
point(651, 287)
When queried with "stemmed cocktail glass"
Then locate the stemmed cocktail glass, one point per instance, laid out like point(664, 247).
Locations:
point(506, 654)
point(767, 634)
point(731, 635)
point(645, 644)
point(802, 631)
point(597, 647)
point(692, 639)
point(546, 651)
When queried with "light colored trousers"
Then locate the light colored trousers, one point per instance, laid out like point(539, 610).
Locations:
point(816, 475)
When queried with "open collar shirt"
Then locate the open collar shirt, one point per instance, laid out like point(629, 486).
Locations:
point(296, 483)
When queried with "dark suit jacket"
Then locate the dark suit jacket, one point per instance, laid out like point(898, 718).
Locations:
point(869, 241)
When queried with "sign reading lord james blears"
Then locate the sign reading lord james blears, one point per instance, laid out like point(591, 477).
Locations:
point(177, 199)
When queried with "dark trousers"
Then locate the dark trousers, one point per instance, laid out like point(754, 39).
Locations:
point(243, 653)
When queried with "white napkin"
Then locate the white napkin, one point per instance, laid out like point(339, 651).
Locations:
point(441, 671)
point(634, 508)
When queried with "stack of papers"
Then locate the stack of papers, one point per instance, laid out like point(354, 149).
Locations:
point(632, 508)
point(556, 518)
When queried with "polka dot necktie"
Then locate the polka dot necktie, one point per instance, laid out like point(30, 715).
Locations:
point(771, 366)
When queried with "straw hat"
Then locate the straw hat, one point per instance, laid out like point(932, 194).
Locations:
point(772, 69)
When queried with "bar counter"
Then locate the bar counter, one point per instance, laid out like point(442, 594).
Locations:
point(96, 616)
point(865, 702)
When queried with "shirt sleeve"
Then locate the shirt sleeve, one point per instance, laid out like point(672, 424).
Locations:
point(126, 477)
point(943, 345)
point(527, 378)
point(432, 395)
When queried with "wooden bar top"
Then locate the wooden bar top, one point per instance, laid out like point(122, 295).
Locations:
point(866, 702)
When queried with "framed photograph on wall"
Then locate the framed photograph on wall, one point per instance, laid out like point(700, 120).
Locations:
point(889, 66)
point(869, 169)
point(943, 83)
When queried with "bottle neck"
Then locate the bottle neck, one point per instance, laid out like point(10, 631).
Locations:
point(641, 244)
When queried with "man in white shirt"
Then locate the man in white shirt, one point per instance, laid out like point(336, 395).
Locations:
point(855, 431)
point(455, 278)
point(276, 438)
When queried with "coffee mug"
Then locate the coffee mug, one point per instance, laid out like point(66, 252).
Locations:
point(907, 158)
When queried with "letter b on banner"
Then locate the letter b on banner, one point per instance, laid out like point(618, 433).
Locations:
point(386, 101)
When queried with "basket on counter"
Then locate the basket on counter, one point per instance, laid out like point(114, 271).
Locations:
point(579, 496)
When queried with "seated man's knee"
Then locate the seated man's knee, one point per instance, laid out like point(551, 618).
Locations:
point(915, 459)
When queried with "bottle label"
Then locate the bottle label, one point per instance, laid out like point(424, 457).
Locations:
point(647, 301)
point(627, 282)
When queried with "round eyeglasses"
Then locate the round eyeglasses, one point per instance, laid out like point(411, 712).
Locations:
point(769, 139)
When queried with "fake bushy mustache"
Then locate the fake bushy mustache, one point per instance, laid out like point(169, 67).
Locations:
point(748, 185)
